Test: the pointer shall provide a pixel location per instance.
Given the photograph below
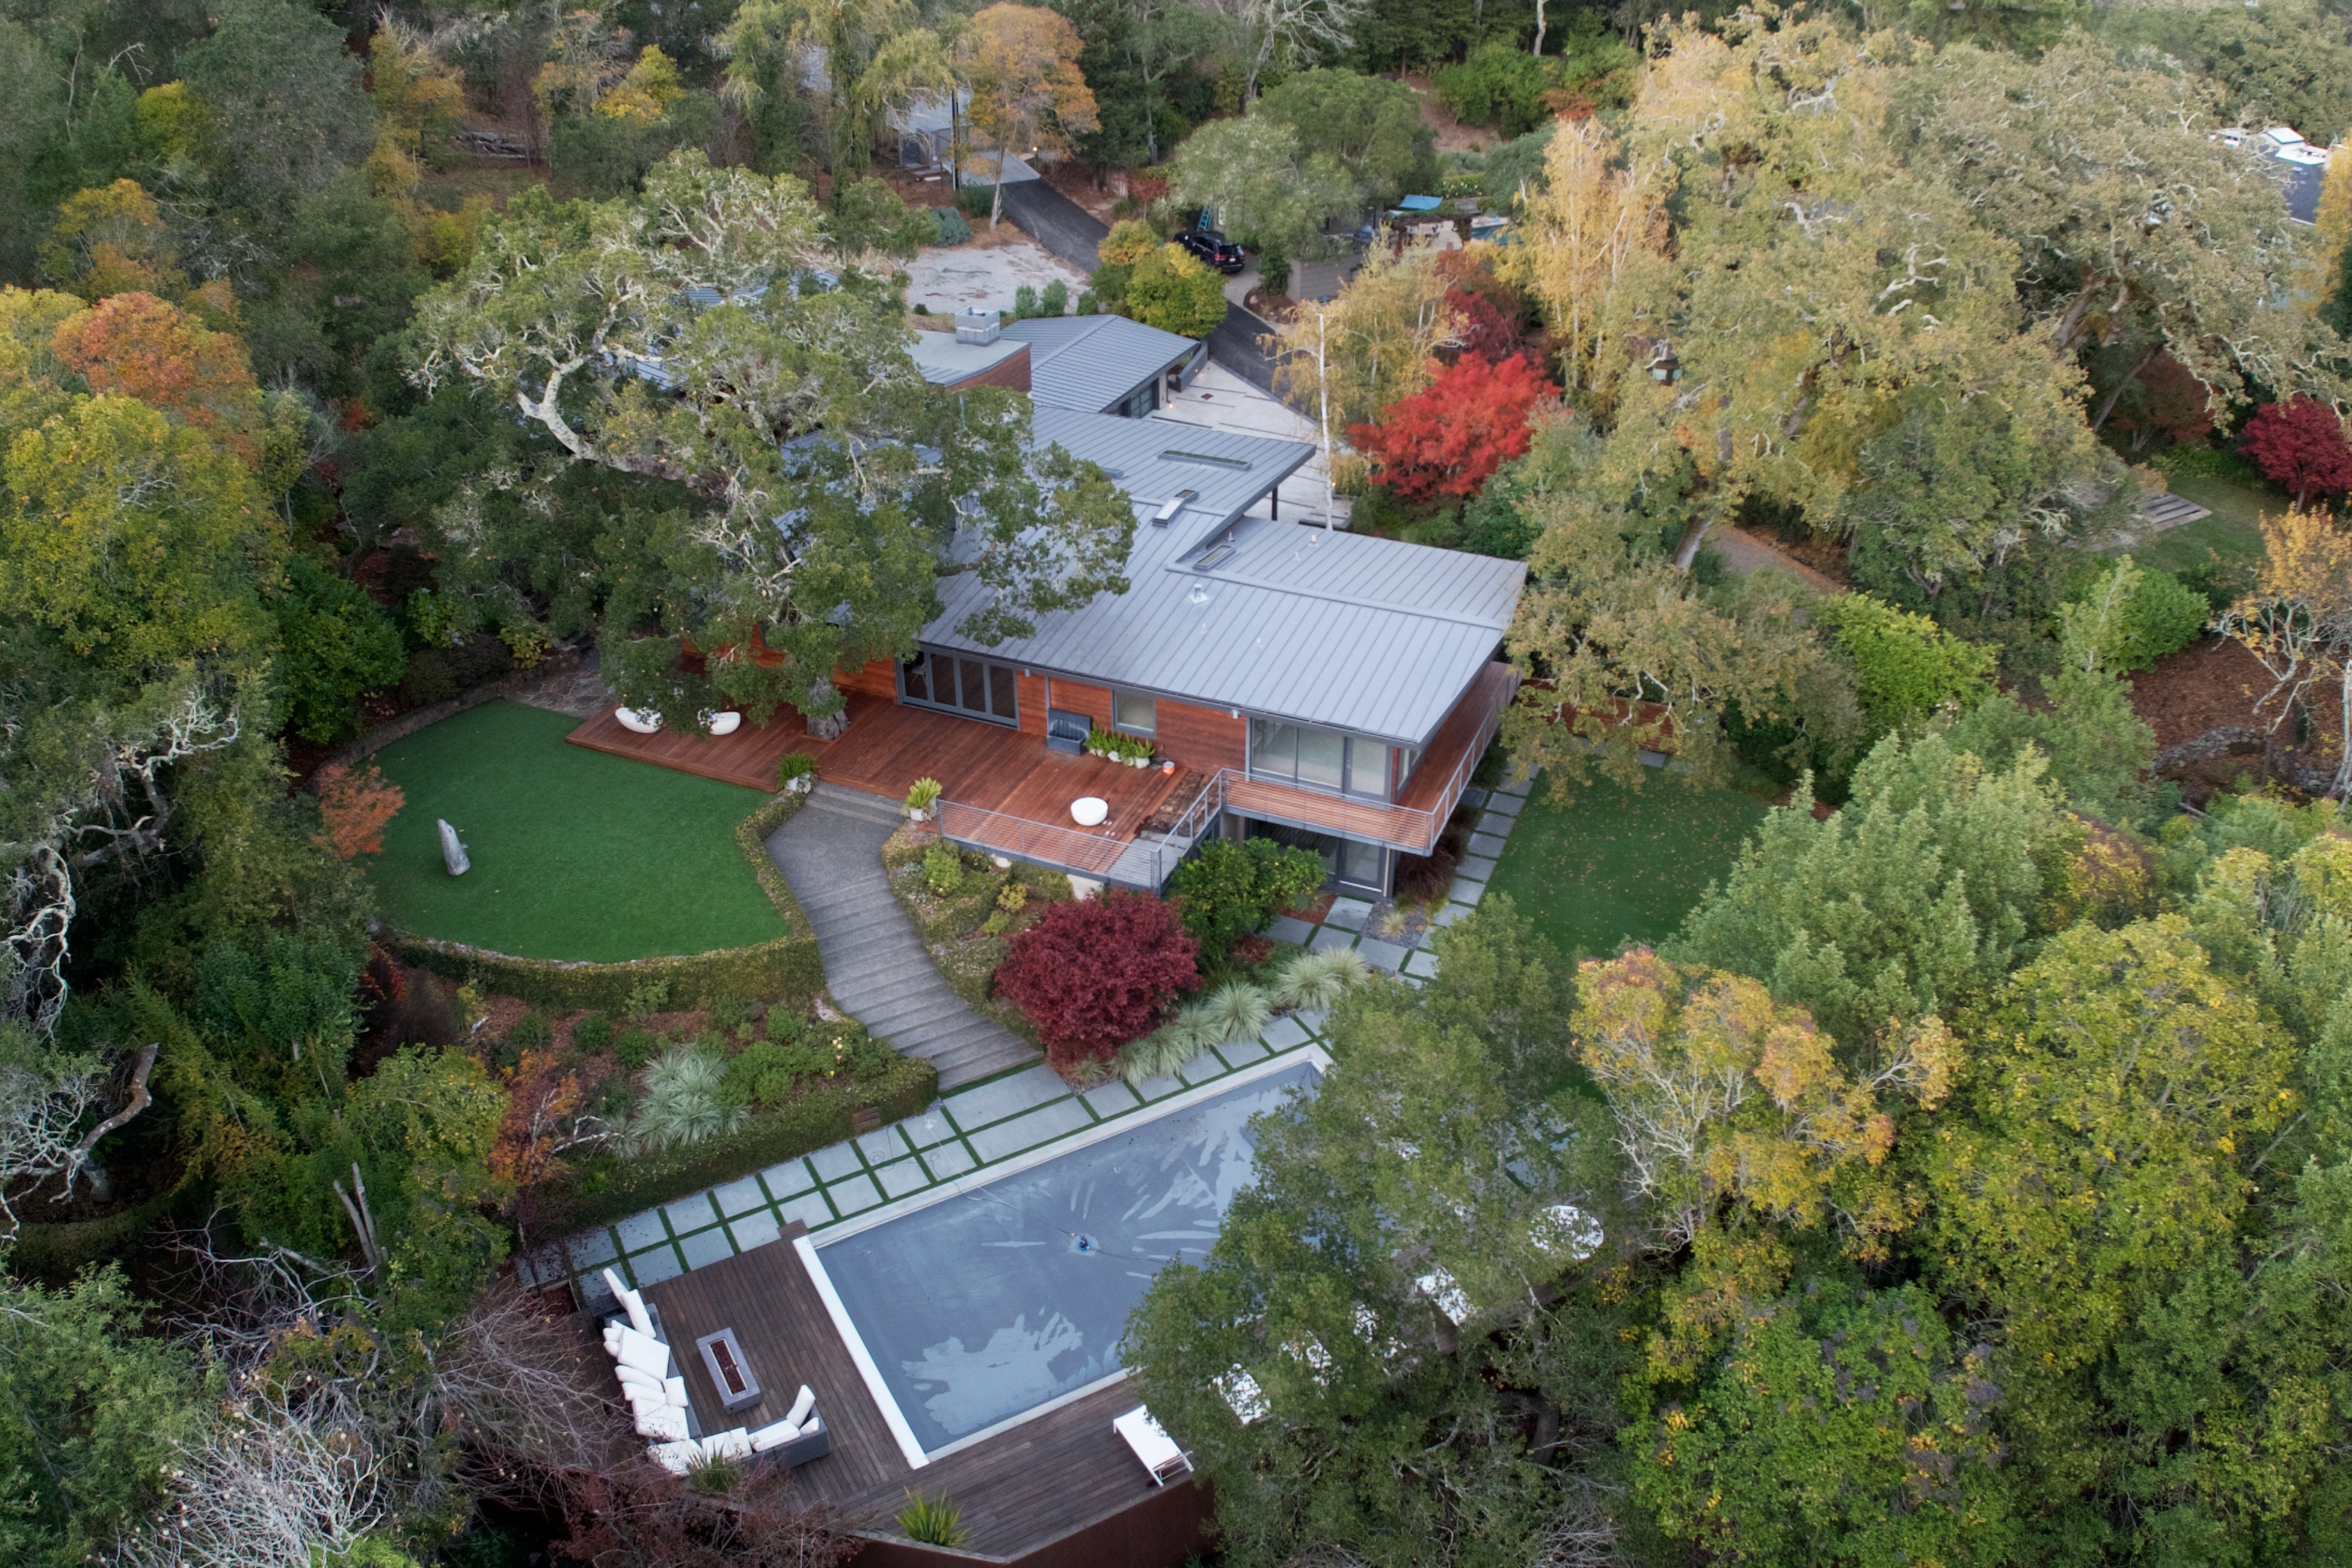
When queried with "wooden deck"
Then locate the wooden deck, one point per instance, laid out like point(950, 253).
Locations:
point(1018, 1491)
point(888, 745)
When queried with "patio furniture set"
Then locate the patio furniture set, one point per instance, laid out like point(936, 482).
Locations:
point(657, 1396)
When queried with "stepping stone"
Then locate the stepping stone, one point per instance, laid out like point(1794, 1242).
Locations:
point(640, 1231)
point(1330, 937)
point(1241, 1053)
point(931, 1126)
point(948, 1159)
point(900, 1177)
point(788, 1179)
point(1286, 928)
point(1110, 1098)
point(1030, 1129)
point(755, 1229)
point(654, 1267)
point(858, 1194)
point(993, 1102)
point(740, 1197)
point(1465, 891)
point(1349, 913)
point(882, 1146)
point(1477, 868)
point(836, 1161)
point(1285, 1033)
point(1486, 843)
point(809, 1208)
point(1385, 955)
point(1495, 823)
point(705, 1248)
point(1508, 804)
point(1421, 964)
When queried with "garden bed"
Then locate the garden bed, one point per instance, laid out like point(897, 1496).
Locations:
point(954, 926)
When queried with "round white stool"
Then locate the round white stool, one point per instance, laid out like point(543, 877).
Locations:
point(1089, 811)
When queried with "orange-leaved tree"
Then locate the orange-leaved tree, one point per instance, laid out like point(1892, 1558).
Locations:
point(2298, 621)
point(355, 806)
point(1022, 62)
point(1449, 439)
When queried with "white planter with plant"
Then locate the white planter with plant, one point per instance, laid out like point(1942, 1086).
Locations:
point(923, 800)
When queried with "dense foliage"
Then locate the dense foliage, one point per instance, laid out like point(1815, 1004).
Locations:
point(1094, 973)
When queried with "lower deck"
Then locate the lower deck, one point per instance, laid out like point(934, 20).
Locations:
point(1029, 1484)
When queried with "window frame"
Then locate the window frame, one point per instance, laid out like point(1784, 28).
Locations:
point(1123, 694)
point(1348, 741)
point(998, 681)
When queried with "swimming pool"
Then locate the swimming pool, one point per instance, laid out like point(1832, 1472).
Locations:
point(1001, 1298)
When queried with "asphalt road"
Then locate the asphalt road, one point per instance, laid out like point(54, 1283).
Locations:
point(1071, 233)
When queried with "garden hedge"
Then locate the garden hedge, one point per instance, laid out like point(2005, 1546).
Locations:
point(815, 1119)
point(786, 969)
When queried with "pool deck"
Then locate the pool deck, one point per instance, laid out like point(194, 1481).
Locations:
point(1037, 1481)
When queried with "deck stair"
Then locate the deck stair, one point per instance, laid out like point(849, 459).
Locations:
point(875, 967)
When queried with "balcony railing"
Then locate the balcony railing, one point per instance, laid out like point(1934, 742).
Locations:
point(1149, 859)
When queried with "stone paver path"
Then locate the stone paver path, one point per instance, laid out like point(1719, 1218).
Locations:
point(1344, 923)
point(876, 968)
point(979, 1125)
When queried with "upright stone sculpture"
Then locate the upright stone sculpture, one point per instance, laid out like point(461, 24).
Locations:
point(453, 853)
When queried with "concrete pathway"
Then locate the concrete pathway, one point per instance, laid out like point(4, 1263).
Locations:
point(875, 967)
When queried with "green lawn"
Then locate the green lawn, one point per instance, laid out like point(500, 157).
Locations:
point(2230, 534)
point(576, 854)
point(1618, 865)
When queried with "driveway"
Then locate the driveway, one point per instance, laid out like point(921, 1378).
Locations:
point(1071, 232)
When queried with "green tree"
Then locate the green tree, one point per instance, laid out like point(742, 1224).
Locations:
point(567, 307)
point(1913, 900)
point(277, 78)
point(1843, 1425)
point(1229, 890)
point(1398, 1414)
point(1263, 186)
point(1905, 665)
point(1173, 291)
point(1370, 125)
point(91, 1406)
point(336, 646)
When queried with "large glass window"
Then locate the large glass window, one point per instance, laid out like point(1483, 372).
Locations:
point(1320, 759)
point(1134, 712)
point(974, 686)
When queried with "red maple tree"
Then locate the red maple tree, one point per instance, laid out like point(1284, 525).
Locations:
point(1449, 439)
point(355, 806)
point(1094, 973)
point(2300, 447)
point(138, 346)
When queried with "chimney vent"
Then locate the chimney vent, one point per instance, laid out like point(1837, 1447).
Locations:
point(978, 324)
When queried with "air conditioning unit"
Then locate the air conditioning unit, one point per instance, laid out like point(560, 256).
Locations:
point(977, 324)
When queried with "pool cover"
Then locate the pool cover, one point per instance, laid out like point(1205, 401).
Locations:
point(987, 1304)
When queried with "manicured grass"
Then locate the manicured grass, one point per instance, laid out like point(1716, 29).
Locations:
point(576, 854)
point(1616, 865)
point(2232, 533)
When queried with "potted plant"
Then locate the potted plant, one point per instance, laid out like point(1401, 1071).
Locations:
point(921, 799)
point(797, 774)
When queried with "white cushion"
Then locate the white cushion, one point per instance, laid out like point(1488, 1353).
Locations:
point(674, 1392)
point(676, 1457)
point(632, 1302)
point(802, 1403)
point(667, 1421)
point(733, 1444)
point(814, 1425)
point(774, 1435)
point(638, 1377)
point(644, 1352)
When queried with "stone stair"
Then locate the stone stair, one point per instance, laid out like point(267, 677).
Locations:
point(875, 967)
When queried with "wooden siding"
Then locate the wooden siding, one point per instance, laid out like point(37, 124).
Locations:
point(1012, 371)
point(1031, 1486)
point(875, 677)
point(1203, 738)
point(1079, 697)
point(1030, 690)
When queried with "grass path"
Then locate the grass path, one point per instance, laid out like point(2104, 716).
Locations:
point(576, 854)
point(1618, 865)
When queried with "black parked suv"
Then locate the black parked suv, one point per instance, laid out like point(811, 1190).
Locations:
point(1213, 249)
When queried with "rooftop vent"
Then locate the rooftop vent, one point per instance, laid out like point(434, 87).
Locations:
point(1169, 508)
point(977, 324)
point(1202, 459)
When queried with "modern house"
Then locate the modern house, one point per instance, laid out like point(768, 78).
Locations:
point(1330, 689)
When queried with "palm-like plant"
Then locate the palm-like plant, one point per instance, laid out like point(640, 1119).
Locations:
point(935, 1521)
point(680, 1104)
point(1318, 980)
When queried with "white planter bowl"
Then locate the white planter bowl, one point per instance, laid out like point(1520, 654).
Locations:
point(725, 723)
point(638, 720)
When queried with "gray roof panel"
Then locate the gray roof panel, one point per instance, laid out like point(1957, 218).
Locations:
point(1091, 363)
point(1372, 635)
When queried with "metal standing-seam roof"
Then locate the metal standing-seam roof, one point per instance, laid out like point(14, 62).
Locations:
point(1092, 362)
point(1372, 635)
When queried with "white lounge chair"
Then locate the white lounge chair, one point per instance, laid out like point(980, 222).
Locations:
point(1156, 1449)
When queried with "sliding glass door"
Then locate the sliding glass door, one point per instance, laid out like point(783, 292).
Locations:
point(976, 687)
point(1319, 759)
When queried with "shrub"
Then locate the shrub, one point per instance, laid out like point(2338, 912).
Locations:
point(1172, 290)
point(975, 199)
point(2300, 448)
point(953, 228)
point(530, 1033)
point(1094, 973)
point(1316, 981)
point(934, 1522)
point(2163, 615)
point(942, 870)
point(1054, 300)
point(764, 1072)
point(1228, 891)
point(593, 1032)
point(633, 1048)
point(1425, 879)
point(1905, 665)
point(1090, 303)
point(1024, 303)
point(1449, 439)
point(338, 645)
point(682, 1103)
point(1168, 1049)
point(730, 1012)
point(647, 997)
point(793, 765)
point(1236, 1012)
